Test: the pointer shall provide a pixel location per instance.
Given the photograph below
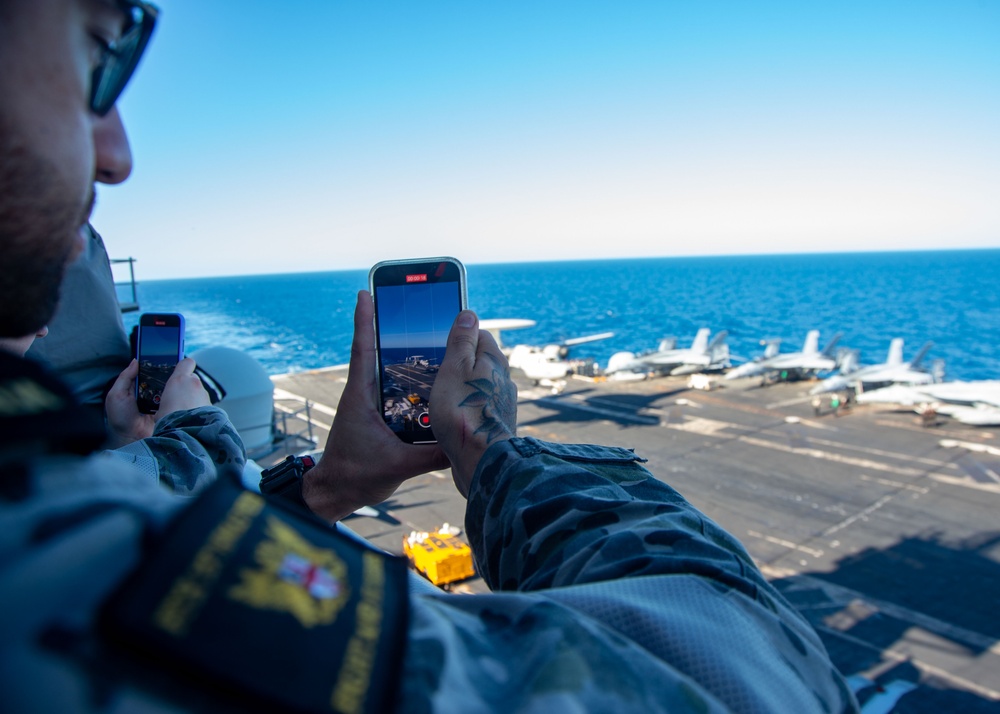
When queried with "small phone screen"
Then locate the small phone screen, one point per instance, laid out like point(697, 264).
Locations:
point(415, 306)
point(159, 351)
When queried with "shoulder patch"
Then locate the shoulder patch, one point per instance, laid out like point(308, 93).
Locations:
point(267, 606)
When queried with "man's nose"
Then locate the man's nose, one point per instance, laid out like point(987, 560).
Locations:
point(113, 155)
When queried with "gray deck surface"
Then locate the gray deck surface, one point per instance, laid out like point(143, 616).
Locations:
point(887, 541)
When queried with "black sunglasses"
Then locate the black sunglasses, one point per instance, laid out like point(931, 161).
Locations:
point(120, 59)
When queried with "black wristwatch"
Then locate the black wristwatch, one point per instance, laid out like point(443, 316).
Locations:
point(284, 481)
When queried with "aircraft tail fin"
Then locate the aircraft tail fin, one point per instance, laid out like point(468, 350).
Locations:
point(811, 345)
point(895, 355)
point(848, 361)
point(828, 350)
point(938, 370)
point(667, 344)
point(915, 362)
point(700, 343)
point(718, 350)
point(717, 340)
point(772, 348)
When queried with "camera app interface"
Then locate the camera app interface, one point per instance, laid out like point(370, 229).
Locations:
point(157, 359)
point(413, 321)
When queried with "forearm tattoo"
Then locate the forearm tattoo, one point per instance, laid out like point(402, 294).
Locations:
point(498, 398)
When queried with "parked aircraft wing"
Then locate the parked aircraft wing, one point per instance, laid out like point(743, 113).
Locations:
point(495, 326)
point(584, 340)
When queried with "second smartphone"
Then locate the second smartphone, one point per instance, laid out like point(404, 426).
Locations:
point(159, 348)
point(416, 302)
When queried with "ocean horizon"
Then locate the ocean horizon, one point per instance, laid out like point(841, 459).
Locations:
point(300, 321)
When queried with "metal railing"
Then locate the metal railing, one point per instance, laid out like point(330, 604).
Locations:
point(126, 305)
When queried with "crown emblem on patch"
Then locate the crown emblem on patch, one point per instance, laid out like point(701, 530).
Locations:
point(294, 576)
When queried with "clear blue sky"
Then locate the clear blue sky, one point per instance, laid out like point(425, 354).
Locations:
point(326, 134)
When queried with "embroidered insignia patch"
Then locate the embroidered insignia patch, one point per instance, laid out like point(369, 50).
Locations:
point(272, 609)
point(294, 577)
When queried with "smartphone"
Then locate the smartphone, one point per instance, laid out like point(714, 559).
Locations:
point(416, 302)
point(159, 348)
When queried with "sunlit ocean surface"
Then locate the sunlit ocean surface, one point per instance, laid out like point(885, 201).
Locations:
point(302, 321)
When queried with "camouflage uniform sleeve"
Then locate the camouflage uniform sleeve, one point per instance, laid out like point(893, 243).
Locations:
point(188, 450)
point(589, 528)
point(549, 515)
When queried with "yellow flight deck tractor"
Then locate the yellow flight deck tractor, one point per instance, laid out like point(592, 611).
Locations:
point(439, 556)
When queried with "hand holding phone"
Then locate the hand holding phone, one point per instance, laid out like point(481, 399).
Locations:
point(364, 462)
point(416, 302)
point(160, 347)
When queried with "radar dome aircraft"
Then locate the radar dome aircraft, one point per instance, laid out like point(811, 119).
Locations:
point(544, 364)
point(701, 356)
point(893, 371)
point(809, 361)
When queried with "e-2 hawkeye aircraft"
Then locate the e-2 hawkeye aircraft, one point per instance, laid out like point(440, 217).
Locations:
point(544, 364)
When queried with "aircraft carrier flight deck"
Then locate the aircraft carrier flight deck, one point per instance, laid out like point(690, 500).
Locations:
point(881, 527)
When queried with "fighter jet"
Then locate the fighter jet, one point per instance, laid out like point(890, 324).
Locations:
point(807, 362)
point(893, 371)
point(701, 356)
point(974, 403)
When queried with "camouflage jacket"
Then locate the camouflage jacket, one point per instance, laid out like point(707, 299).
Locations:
point(186, 451)
point(611, 593)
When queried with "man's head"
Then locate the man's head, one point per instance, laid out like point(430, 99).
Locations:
point(59, 133)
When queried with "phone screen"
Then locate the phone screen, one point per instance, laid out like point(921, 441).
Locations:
point(415, 306)
point(160, 347)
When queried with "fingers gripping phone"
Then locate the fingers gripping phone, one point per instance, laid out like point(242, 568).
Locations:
point(159, 348)
point(416, 302)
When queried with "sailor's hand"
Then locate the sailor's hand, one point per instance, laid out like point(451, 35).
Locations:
point(474, 402)
point(183, 390)
point(125, 423)
point(364, 461)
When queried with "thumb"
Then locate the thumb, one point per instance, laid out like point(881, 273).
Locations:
point(184, 368)
point(463, 340)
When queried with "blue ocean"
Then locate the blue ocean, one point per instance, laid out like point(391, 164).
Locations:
point(295, 322)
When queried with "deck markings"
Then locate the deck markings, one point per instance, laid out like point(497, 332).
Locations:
point(894, 484)
point(786, 543)
point(281, 394)
point(788, 402)
point(700, 425)
point(860, 515)
point(713, 427)
point(828, 456)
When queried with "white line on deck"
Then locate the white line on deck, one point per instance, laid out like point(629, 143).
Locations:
point(894, 484)
point(786, 543)
point(864, 513)
point(838, 458)
point(314, 406)
point(298, 413)
point(788, 402)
